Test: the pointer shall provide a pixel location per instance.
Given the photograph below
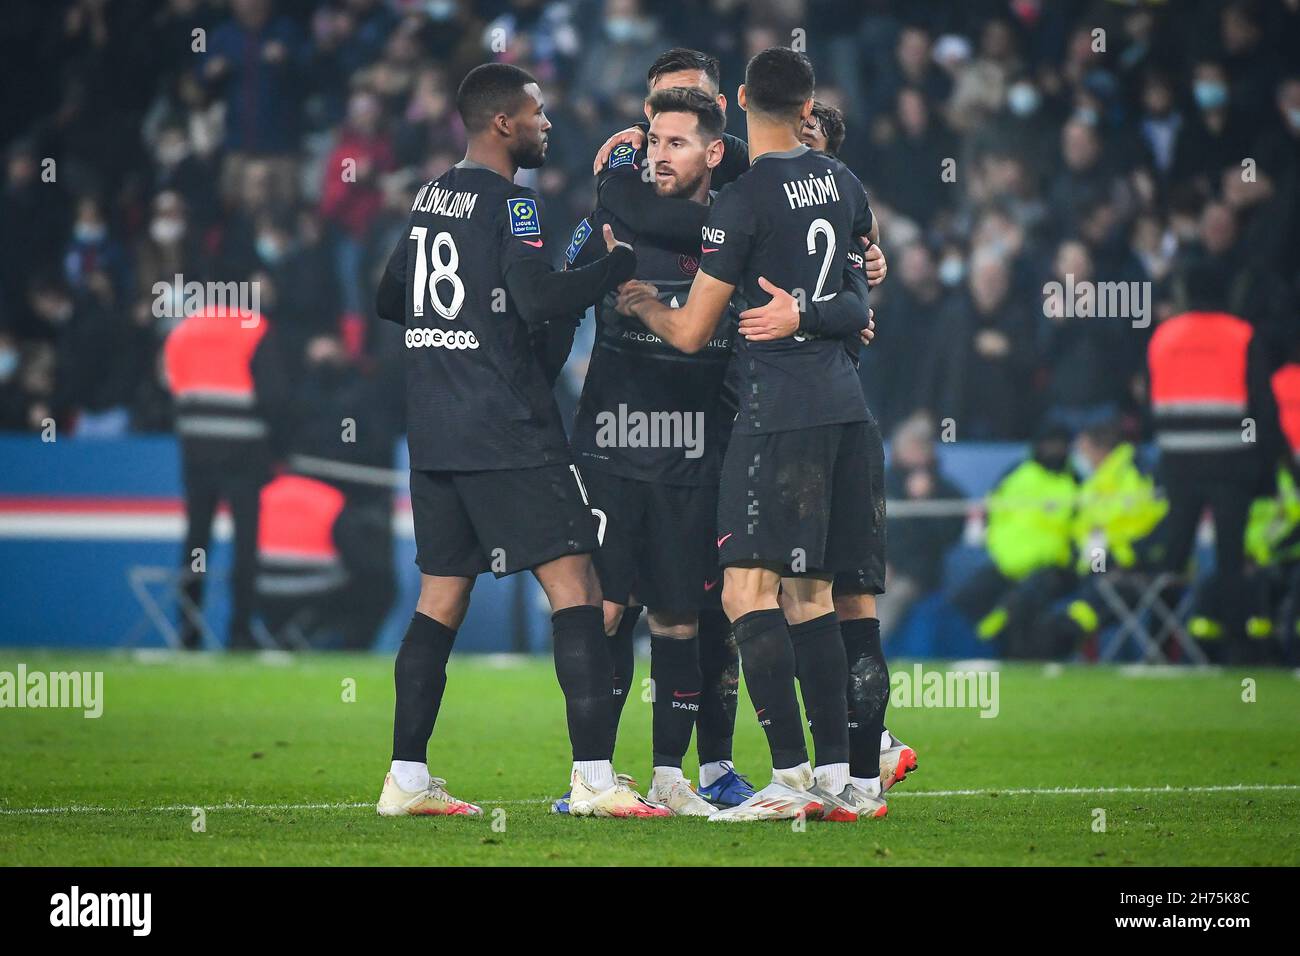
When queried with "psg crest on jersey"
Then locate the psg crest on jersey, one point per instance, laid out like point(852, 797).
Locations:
point(524, 220)
point(688, 264)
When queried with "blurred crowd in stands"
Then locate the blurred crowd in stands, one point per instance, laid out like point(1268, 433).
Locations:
point(1005, 145)
point(1108, 155)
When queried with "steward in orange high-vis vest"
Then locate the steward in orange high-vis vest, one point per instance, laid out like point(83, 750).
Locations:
point(318, 582)
point(1286, 390)
point(229, 390)
point(1216, 426)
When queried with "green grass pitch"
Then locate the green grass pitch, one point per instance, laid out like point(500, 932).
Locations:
point(287, 773)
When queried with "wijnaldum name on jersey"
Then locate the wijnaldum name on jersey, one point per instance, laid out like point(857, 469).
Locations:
point(813, 191)
point(444, 202)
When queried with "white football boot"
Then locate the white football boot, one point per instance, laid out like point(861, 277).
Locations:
point(677, 794)
point(897, 760)
point(785, 798)
point(434, 801)
point(619, 800)
point(868, 806)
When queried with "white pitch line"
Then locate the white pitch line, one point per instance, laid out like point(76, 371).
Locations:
point(1010, 792)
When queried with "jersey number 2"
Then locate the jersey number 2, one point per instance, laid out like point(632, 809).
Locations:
point(824, 227)
point(442, 271)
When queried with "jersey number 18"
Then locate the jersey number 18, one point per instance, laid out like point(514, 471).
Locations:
point(442, 271)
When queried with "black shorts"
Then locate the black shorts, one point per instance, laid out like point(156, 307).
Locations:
point(468, 522)
point(870, 577)
point(657, 544)
point(799, 500)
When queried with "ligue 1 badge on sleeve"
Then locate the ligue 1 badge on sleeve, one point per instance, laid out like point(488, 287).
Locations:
point(579, 239)
point(524, 220)
point(623, 155)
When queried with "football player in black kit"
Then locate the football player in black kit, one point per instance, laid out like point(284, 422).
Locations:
point(648, 436)
point(795, 477)
point(493, 485)
point(855, 591)
point(627, 193)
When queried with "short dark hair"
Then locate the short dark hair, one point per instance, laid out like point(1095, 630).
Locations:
point(831, 120)
point(488, 90)
point(683, 99)
point(681, 58)
point(779, 81)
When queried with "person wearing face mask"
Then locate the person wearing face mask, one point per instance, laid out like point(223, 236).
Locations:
point(1023, 128)
point(168, 247)
point(94, 262)
point(1214, 137)
point(1030, 511)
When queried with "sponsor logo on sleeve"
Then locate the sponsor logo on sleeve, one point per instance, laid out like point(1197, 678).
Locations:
point(524, 220)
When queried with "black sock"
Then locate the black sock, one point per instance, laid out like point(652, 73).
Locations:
point(719, 687)
point(620, 646)
point(823, 673)
point(768, 661)
point(419, 677)
point(868, 694)
point(675, 673)
point(586, 673)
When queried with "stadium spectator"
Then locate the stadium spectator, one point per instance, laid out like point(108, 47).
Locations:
point(254, 61)
point(1125, 165)
point(914, 303)
point(917, 543)
point(351, 196)
point(980, 368)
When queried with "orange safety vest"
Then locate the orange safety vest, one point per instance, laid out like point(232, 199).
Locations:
point(1197, 362)
point(208, 359)
point(295, 537)
point(1286, 389)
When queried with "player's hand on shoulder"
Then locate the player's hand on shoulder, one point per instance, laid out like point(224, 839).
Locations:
point(633, 134)
point(869, 332)
point(611, 243)
point(779, 319)
point(633, 294)
point(877, 267)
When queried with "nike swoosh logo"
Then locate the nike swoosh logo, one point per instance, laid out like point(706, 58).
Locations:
point(702, 249)
point(723, 539)
point(710, 585)
point(678, 693)
point(535, 243)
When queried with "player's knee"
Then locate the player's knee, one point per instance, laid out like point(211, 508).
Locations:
point(569, 582)
point(613, 616)
point(677, 625)
point(446, 600)
point(745, 594)
point(852, 607)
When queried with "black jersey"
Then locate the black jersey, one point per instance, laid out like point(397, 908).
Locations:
point(791, 219)
point(648, 411)
point(477, 397)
